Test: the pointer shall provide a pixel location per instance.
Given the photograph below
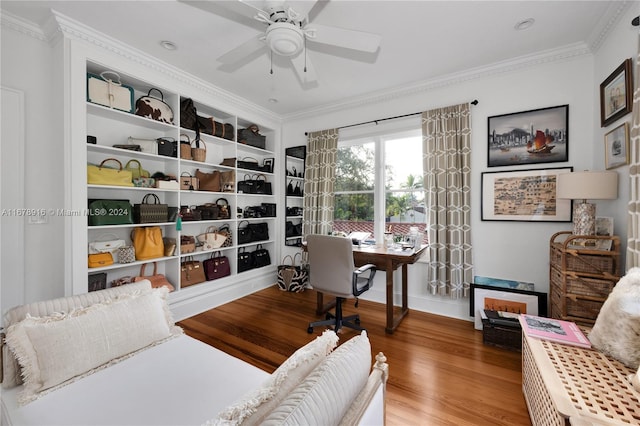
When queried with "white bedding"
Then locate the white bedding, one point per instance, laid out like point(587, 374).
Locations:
point(203, 379)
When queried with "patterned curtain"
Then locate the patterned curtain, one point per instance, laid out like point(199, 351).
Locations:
point(446, 147)
point(319, 182)
point(633, 225)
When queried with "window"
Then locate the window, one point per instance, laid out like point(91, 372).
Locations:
point(379, 184)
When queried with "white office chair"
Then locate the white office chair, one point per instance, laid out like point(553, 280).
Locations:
point(332, 271)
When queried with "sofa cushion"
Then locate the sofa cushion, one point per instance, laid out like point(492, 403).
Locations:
point(257, 404)
point(326, 394)
point(54, 349)
point(615, 331)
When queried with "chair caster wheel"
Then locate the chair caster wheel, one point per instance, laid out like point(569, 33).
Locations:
point(327, 316)
point(310, 330)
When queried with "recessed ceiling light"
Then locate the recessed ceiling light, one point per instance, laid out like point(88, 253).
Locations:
point(524, 24)
point(273, 100)
point(168, 45)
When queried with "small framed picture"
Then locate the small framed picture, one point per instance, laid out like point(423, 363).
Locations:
point(267, 165)
point(616, 94)
point(616, 147)
point(604, 226)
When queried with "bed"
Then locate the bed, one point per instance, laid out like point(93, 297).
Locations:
point(100, 369)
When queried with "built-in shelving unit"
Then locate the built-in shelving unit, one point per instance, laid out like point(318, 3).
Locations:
point(294, 173)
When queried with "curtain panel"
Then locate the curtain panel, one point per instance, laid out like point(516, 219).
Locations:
point(633, 225)
point(319, 182)
point(446, 147)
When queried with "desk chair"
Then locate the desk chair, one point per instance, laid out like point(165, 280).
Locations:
point(331, 271)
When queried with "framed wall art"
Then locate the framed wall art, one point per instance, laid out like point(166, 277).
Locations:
point(616, 94)
point(505, 299)
point(616, 147)
point(524, 195)
point(529, 137)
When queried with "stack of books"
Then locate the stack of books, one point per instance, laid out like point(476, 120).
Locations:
point(555, 330)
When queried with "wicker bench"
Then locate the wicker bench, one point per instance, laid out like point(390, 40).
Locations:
point(568, 385)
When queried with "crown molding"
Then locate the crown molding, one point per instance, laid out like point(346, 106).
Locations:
point(615, 11)
point(20, 25)
point(553, 55)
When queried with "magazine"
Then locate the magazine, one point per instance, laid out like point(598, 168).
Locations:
point(556, 330)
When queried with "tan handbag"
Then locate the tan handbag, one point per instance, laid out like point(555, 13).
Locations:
point(157, 280)
point(212, 238)
point(209, 181)
point(198, 153)
point(191, 272)
point(185, 147)
point(189, 182)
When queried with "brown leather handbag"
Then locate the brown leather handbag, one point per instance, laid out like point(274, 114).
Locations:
point(157, 280)
point(191, 272)
point(209, 181)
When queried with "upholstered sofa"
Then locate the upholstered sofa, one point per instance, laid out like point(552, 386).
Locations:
point(115, 357)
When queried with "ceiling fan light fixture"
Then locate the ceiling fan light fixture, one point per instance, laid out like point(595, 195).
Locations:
point(285, 39)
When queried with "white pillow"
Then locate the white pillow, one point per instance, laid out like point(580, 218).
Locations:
point(54, 349)
point(326, 394)
point(257, 404)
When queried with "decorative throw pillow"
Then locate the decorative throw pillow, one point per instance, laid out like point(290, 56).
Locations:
point(615, 331)
point(54, 349)
point(257, 404)
point(326, 394)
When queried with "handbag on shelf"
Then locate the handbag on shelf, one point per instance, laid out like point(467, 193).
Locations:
point(167, 147)
point(110, 212)
point(185, 147)
point(199, 153)
point(260, 257)
point(244, 233)
point(148, 146)
point(269, 209)
point(229, 162)
point(135, 167)
point(154, 108)
point(224, 210)
point(144, 182)
point(289, 229)
point(97, 281)
point(217, 266)
point(106, 244)
point(128, 147)
point(226, 231)
point(244, 260)
point(98, 260)
point(208, 181)
point(127, 279)
point(297, 191)
point(251, 136)
point(189, 182)
point(228, 181)
point(292, 277)
point(109, 92)
point(147, 242)
point(212, 127)
point(169, 246)
point(102, 175)
point(262, 186)
point(259, 231)
point(249, 163)
point(187, 244)
point(126, 254)
point(188, 114)
point(191, 272)
point(157, 280)
point(246, 186)
point(208, 211)
point(148, 212)
point(211, 238)
point(188, 214)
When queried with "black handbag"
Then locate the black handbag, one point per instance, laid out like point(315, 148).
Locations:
point(208, 211)
point(188, 114)
point(262, 186)
point(190, 214)
point(269, 209)
point(245, 235)
point(244, 260)
point(251, 136)
point(290, 229)
point(246, 186)
point(260, 257)
point(147, 212)
point(167, 147)
point(224, 210)
point(259, 231)
point(154, 108)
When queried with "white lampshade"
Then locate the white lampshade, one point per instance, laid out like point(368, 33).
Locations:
point(601, 185)
point(588, 185)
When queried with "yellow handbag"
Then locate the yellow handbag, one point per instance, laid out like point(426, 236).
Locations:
point(136, 169)
point(148, 242)
point(100, 259)
point(100, 175)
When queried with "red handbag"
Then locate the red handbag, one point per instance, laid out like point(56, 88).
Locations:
point(217, 266)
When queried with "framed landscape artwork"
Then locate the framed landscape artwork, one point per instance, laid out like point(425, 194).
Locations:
point(524, 195)
point(529, 137)
point(616, 147)
point(616, 94)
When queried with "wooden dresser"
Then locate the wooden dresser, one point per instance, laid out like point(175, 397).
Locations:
point(568, 385)
point(581, 278)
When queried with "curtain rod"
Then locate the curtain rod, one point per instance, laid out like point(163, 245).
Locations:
point(474, 102)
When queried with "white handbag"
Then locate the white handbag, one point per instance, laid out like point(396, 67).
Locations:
point(107, 244)
point(150, 146)
point(212, 239)
point(109, 92)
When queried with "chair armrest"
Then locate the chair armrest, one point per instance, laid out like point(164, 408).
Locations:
point(358, 290)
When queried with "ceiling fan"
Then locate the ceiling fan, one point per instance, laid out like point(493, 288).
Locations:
point(287, 32)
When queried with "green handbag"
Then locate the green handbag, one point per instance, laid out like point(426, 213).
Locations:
point(110, 212)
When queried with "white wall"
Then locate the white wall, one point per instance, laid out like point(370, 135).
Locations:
point(511, 250)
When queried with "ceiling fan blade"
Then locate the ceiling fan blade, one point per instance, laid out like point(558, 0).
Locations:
point(350, 39)
point(302, 7)
point(244, 7)
point(247, 48)
point(299, 65)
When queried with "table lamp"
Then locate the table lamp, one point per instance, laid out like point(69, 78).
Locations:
point(592, 185)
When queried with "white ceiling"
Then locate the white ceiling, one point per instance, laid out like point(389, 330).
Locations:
point(422, 41)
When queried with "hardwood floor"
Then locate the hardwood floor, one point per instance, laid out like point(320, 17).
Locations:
point(440, 372)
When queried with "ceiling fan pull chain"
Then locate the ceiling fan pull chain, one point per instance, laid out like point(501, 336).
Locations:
point(271, 58)
point(305, 54)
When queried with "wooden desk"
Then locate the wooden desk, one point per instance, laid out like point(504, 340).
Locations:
point(387, 261)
